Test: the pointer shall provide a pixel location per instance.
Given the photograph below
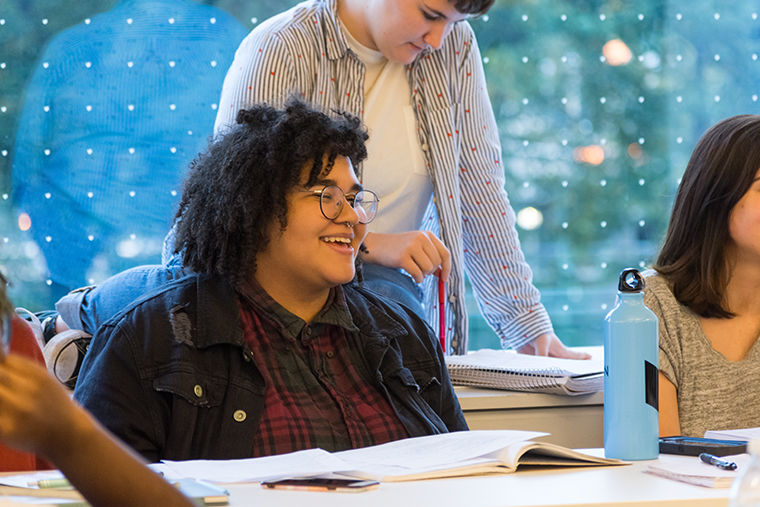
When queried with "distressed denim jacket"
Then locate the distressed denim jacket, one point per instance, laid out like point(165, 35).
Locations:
point(170, 374)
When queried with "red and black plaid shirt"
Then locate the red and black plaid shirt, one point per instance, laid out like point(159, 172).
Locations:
point(318, 388)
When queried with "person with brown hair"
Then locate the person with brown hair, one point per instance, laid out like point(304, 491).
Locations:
point(412, 71)
point(706, 290)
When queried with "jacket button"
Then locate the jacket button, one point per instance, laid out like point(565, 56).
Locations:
point(198, 390)
point(330, 354)
point(239, 415)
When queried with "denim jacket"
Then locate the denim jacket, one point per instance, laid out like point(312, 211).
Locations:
point(170, 374)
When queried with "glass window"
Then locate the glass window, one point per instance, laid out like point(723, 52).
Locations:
point(599, 104)
point(105, 104)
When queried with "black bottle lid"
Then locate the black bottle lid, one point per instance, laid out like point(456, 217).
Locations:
point(631, 280)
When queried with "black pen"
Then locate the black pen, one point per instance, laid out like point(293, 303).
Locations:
point(716, 461)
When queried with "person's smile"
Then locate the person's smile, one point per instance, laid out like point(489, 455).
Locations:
point(340, 243)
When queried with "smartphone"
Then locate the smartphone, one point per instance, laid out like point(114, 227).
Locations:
point(319, 484)
point(694, 446)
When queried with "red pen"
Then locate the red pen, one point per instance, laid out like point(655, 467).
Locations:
point(442, 312)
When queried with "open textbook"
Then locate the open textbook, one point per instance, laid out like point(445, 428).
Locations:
point(506, 369)
point(463, 453)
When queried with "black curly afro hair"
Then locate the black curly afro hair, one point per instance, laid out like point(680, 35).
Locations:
point(238, 187)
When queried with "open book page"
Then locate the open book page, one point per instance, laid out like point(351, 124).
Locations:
point(692, 470)
point(745, 434)
point(461, 454)
point(431, 455)
point(506, 369)
point(548, 454)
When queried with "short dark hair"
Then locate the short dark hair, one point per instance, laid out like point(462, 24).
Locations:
point(720, 171)
point(238, 187)
point(476, 7)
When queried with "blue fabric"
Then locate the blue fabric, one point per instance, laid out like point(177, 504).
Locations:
point(89, 307)
point(395, 285)
point(169, 374)
point(123, 104)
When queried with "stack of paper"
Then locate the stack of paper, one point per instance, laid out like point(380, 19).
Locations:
point(692, 470)
point(506, 369)
point(745, 434)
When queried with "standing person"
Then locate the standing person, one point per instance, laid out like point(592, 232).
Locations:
point(260, 348)
point(37, 416)
point(706, 290)
point(117, 107)
point(411, 69)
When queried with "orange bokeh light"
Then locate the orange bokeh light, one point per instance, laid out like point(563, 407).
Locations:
point(592, 154)
point(24, 222)
point(635, 151)
point(616, 52)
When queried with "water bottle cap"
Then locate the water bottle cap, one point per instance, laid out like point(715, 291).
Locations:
point(630, 281)
point(753, 446)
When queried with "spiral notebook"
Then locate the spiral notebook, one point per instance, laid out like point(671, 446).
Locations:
point(506, 369)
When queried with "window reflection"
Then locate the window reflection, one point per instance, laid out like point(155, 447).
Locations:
point(116, 108)
point(599, 105)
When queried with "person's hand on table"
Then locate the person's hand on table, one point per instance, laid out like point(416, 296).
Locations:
point(419, 253)
point(550, 345)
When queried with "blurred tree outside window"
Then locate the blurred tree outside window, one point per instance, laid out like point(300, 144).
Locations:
point(599, 104)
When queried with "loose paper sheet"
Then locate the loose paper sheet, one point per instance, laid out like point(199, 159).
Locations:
point(306, 463)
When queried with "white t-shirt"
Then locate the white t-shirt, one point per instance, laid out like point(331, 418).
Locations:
point(395, 167)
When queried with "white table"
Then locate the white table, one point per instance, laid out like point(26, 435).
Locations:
point(624, 486)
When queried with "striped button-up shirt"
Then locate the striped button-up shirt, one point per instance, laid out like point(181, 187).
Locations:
point(303, 52)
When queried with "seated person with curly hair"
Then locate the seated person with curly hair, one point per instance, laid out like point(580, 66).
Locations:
point(260, 349)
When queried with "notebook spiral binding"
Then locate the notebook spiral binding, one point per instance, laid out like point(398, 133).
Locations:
point(528, 380)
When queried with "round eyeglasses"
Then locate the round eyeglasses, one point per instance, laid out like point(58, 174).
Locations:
point(332, 198)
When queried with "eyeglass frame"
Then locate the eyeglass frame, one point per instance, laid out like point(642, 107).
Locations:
point(346, 197)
